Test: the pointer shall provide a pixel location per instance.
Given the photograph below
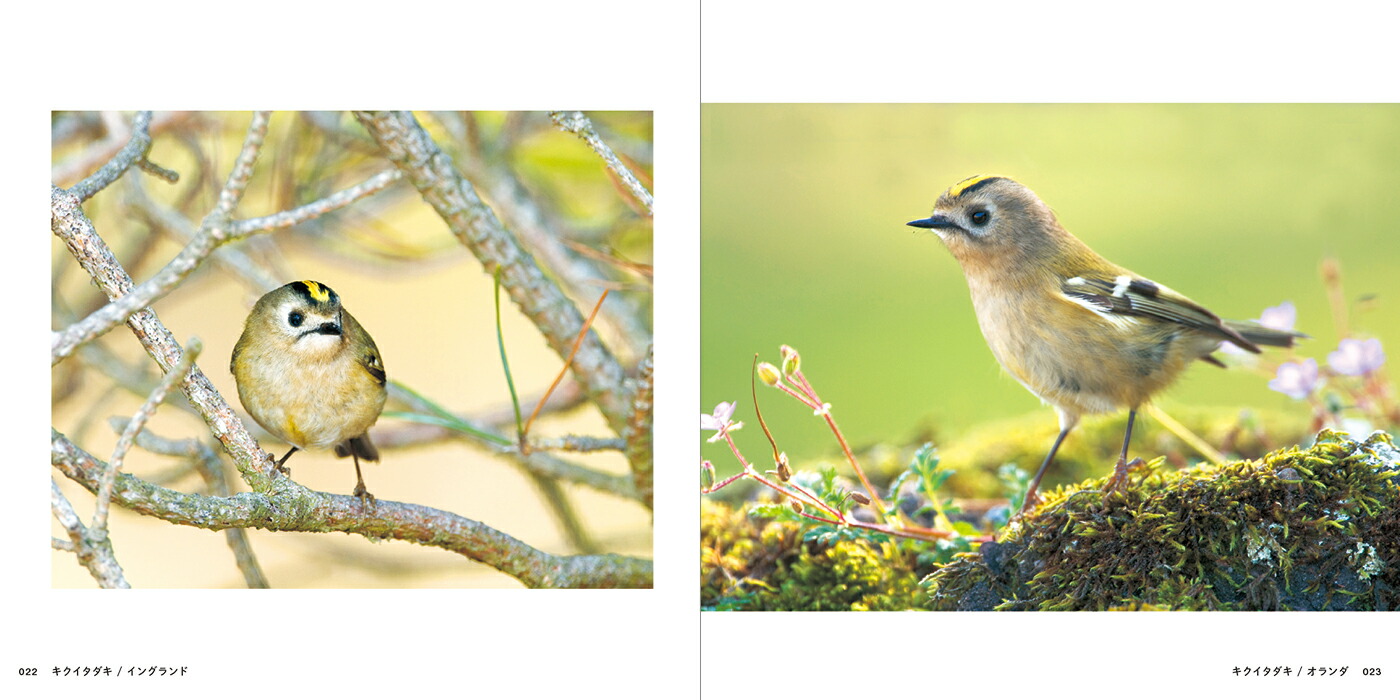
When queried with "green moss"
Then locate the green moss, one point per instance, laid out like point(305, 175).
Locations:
point(753, 564)
point(1301, 529)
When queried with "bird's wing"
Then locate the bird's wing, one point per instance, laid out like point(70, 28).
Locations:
point(1129, 295)
point(372, 364)
point(369, 354)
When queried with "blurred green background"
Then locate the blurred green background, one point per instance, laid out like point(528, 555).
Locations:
point(803, 241)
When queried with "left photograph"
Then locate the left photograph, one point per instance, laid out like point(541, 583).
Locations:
point(430, 331)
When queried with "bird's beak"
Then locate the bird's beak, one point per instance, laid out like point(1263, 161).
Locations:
point(937, 221)
point(328, 328)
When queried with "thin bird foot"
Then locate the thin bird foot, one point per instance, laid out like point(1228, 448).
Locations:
point(367, 500)
point(1119, 481)
point(1032, 500)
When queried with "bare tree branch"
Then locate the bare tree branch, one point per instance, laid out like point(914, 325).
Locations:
point(212, 234)
point(242, 170)
point(81, 164)
point(546, 234)
point(228, 258)
point(431, 171)
point(72, 226)
point(318, 208)
point(93, 553)
point(298, 509)
point(579, 125)
point(207, 463)
point(128, 437)
point(542, 465)
point(134, 151)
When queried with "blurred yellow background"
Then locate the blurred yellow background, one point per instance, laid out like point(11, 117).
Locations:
point(428, 304)
point(804, 242)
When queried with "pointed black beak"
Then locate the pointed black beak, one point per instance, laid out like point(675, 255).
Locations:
point(935, 221)
point(328, 328)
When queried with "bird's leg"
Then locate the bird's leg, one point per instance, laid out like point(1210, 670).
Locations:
point(280, 462)
point(367, 499)
point(1119, 480)
point(1031, 497)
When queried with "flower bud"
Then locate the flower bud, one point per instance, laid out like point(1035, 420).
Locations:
point(792, 362)
point(768, 374)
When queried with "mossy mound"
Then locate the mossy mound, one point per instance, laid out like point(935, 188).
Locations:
point(751, 563)
point(1301, 529)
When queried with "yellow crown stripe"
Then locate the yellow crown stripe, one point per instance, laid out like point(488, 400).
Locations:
point(965, 185)
point(316, 291)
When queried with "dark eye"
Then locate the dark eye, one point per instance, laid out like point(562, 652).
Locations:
point(295, 318)
point(981, 217)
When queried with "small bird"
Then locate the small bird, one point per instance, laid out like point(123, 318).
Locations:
point(311, 375)
point(1081, 333)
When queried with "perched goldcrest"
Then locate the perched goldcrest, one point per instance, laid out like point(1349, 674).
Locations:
point(310, 374)
point(1081, 333)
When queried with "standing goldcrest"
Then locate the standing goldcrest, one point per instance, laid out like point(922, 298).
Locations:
point(310, 374)
point(1081, 333)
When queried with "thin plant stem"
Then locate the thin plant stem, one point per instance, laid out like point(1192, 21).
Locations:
point(505, 363)
point(587, 323)
point(1195, 441)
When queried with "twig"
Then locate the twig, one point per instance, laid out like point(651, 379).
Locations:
point(74, 168)
point(134, 151)
point(298, 509)
point(93, 552)
point(431, 171)
point(579, 125)
point(128, 437)
point(318, 208)
point(256, 276)
point(546, 234)
point(211, 235)
point(582, 333)
point(544, 465)
point(77, 232)
point(207, 464)
point(242, 170)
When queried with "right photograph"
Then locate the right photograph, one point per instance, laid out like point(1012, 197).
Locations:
point(1049, 357)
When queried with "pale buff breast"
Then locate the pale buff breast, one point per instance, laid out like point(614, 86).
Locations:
point(313, 410)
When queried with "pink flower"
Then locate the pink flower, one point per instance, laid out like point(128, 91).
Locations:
point(1354, 357)
point(719, 420)
point(1296, 379)
point(1279, 318)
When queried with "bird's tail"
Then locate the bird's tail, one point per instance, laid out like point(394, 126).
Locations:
point(360, 447)
point(1263, 335)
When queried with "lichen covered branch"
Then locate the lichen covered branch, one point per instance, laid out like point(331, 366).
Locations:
point(295, 508)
